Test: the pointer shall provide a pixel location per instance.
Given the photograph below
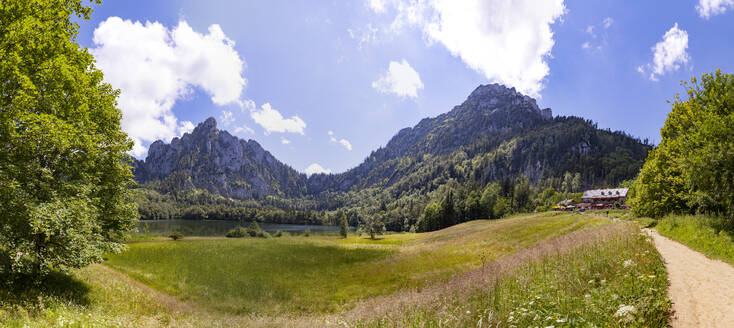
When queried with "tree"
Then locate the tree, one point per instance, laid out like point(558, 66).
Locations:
point(343, 225)
point(500, 207)
point(489, 198)
point(430, 218)
point(447, 212)
point(372, 225)
point(567, 184)
point(692, 170)
point(576, 182)
point(521, 194)
point(64, 171)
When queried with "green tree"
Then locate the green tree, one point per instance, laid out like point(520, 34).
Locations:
point(373, 225)
point(343, 225)
point(692, 170)
point(567, 184)
point(522, 194)
point(64, 171)
point(489, 199)
point(447, 212)
point(500, 207)
point(576, 183)
point(430, 218)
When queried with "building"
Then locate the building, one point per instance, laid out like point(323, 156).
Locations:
point(605, 196)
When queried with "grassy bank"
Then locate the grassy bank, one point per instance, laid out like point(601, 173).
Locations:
point(708, 235)
point(605, 278)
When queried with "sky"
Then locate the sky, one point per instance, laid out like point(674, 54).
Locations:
point(321, 84)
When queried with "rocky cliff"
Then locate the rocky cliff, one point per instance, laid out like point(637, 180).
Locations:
point(212, 159)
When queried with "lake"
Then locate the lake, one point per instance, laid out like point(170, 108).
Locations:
point(218, 227)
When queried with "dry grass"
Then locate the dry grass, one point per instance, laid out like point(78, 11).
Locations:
point(481, 278)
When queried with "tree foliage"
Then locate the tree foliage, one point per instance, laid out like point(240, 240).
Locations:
point(343, 225)
point(692, 169)
point(64, 171)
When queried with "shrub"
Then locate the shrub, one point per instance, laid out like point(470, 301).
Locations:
point(176, 235)
point(278, 233)
point(238, 232)
point(307, 233)
point(254, 230)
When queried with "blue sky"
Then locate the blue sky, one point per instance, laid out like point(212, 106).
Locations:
point(327, 82)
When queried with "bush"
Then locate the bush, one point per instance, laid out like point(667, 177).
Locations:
point(647, 222)
point(176, 235)
point(307, 233)
point(278, 233)
point(238, 232)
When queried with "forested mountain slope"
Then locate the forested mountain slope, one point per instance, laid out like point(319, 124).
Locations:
point(496, 136)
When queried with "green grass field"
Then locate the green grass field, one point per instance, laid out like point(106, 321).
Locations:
point(708, 235)
point(324, 274)
point(323, 280)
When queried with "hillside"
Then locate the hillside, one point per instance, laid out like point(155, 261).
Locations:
point(496, 135)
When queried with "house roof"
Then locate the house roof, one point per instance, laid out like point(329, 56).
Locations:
point(605, 193)
point(565, 202)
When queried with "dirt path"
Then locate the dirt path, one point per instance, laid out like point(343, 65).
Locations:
point(702, 289)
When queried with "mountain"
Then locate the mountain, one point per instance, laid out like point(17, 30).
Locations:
point(496, 135)
point(504, 134)
point(212, 159)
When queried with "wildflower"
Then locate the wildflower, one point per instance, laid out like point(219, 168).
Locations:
point(626, 313)
point(628, 263)
point(587, 296)
point(561, 320)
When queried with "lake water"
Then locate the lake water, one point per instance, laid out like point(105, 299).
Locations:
point(218, 227)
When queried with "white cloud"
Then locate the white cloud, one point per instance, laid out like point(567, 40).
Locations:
point(272, 121)
point(284, 141)
point(226, 117)
point(668, 54)
point(365, 36)
point(400, 79)
point(708, 8)
point(608, 22)
point(248, 106)
point(155, 66)
point(345, 143)
point(243, 128)
point(590, 31)
point(377, 6)
point(598, 35)
point(315, 168)
point(507, 41)
point(185, 127)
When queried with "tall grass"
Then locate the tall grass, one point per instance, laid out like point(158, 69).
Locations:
point(323, 274)
point(709, 235)
point(614, 279)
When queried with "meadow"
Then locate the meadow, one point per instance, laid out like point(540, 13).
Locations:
point(479, 273)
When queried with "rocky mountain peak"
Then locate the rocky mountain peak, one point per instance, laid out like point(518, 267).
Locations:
point(209, 125)
point(491, 95)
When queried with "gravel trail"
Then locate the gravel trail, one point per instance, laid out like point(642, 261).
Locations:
point(702, 289)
